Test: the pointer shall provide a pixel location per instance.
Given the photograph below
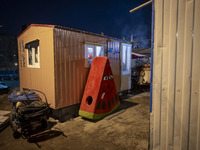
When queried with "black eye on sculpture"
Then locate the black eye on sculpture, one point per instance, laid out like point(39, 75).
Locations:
point(105, 78)
point(110, 76)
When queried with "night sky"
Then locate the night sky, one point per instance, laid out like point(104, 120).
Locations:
point(109, 16)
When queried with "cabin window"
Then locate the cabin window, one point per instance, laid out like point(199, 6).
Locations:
point(126, 58)
point(33, 55)
point(92, 51)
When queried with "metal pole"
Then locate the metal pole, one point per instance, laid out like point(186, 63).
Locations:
point(152, 54)
point(143, 5)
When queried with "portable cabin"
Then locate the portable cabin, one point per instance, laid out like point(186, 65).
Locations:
point(56, 60)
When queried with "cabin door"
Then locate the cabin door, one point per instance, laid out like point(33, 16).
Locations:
point(125, 66)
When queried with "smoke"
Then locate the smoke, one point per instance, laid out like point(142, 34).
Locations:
point(138, 33)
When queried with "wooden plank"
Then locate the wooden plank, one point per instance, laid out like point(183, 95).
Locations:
point(4, 113)
point(3, 122)
point(141, 6)
point(4, 118)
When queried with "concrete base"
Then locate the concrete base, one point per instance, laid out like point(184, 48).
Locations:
point(64, 114)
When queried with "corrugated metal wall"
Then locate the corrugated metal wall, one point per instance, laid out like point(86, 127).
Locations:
point(114, 58)
point(38, 78)
point(175, 117)
point(70, 72)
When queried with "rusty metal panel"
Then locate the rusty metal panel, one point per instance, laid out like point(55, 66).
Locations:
point(70, 71)
point(38, 78)
point(175, 117)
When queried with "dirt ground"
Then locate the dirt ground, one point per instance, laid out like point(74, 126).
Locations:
point(127, 128)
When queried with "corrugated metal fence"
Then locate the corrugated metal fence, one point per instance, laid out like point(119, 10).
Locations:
point(175, 117)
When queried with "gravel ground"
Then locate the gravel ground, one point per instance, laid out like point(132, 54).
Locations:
point(127, 128)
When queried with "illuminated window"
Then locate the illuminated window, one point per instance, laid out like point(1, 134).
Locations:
point(33, 55)
point(126, 58)
point(92, 51)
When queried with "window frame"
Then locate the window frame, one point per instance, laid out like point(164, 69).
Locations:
point(29, 46)
point(94, 46)
point(128, 49)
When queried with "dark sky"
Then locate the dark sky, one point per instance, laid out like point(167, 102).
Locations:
point(109, 16)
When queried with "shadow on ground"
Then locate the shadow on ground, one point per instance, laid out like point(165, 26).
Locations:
point(125, 105)
point(122, 107)
point(42, 135)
